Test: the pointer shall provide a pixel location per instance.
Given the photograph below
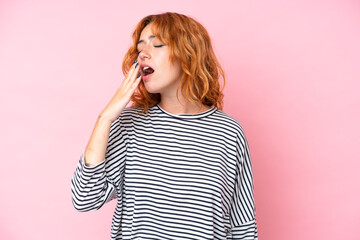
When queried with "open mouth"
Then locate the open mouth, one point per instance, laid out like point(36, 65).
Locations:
point(147, 70)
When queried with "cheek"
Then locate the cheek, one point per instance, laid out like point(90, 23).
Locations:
point(168, 68)
point(176, 66)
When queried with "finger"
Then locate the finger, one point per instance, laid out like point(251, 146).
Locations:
point(132, 75)
point(135, 83)
point(130, 87)
point(132, 69)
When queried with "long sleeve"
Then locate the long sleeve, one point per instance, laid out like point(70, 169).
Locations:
point(242, 212)
point(93, 186)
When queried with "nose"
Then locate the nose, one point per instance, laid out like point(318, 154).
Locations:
point(145, 53)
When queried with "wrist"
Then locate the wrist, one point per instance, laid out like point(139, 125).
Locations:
point(103, 118)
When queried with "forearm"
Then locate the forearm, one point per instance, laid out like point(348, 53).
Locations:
point(90, 188)
point(96, 147)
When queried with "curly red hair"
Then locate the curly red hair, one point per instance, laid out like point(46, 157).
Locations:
point(190, 43)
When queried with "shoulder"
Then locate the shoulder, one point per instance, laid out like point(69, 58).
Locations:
point(130, 113)
point(228, 121)
point(127, 117)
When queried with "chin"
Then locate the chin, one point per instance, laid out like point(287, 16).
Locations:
point(151, 89)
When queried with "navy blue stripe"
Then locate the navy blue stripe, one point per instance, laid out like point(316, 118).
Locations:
point(157, 164)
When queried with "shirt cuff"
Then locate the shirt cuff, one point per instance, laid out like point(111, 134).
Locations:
point(90, 167)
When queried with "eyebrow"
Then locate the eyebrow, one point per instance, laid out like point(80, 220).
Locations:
point(141, 41)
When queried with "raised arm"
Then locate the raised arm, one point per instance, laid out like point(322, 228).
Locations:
point(96, 148)
point(91, 184)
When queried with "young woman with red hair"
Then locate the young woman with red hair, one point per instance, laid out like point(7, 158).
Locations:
point(178, 165)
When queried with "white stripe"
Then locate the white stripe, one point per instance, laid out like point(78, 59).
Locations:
point(184, 176)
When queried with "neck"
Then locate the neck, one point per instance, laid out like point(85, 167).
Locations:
point(181, 106)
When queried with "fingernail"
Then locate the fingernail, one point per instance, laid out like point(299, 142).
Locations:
point(135, 61)
point(139, 75)
point(137, 64)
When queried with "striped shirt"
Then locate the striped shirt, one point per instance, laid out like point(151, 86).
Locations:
point(185, 176)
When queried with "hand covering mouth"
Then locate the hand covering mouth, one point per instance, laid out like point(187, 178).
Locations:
point(146, 70)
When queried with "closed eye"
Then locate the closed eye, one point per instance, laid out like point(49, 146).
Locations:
point(157, 46)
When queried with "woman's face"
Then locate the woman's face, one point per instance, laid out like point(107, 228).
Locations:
point(157, 72)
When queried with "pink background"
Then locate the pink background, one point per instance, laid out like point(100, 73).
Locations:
point(293, 82)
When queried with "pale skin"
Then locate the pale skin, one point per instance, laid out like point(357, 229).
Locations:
point(165, 80)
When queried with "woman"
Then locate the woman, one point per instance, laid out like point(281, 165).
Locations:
point(179, 166)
